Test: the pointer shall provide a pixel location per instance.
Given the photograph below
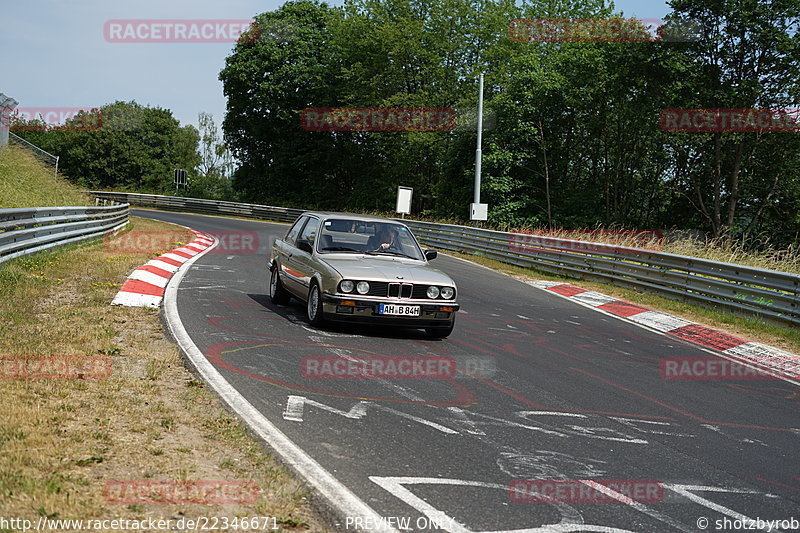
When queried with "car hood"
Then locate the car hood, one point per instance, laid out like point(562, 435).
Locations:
point(384, 268)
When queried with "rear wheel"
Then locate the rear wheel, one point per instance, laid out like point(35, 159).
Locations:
point(314, 305)
point(277, 292)
point(441, 332)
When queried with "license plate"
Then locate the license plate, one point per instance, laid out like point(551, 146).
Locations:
point(400, 310)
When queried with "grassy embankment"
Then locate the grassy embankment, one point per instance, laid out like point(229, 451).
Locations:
point(25, 182)
point(62, 440)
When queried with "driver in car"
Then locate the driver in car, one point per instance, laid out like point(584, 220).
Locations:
point(386, 239)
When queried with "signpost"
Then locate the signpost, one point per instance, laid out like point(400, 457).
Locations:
point(181, 179)
point(404, 200)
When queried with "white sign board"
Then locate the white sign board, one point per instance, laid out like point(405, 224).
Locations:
point(404, 200)
point(478, 211)
point(180, 178)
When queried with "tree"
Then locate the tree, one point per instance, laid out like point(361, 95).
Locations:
point(216, 166)
point(578, 140)
point(745, 55)
point(134, 148)
point(267, 82)
point(573, 149)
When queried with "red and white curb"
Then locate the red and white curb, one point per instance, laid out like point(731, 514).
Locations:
point(145, 286)
point(767, 357)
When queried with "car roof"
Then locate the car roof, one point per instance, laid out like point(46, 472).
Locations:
point(338, 215)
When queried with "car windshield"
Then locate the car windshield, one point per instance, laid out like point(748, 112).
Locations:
point(340, 235)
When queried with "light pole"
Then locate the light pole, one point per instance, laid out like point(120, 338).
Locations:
point(478, 211)
point(7, 105)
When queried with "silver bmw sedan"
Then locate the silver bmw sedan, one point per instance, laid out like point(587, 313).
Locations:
point(360, 269)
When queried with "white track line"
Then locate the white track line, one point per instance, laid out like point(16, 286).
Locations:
point(338, 497)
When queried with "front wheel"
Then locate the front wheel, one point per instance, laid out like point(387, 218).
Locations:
point(441, 332)
point(277, 292)
point(314, 305)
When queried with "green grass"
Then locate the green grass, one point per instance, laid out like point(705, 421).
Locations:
point(62, 440)
point(26, 182)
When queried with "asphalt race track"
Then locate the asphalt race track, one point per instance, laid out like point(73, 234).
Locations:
point(546, 390)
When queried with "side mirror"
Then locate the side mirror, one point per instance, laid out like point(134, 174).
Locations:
point(305, 246)
point(431, 254)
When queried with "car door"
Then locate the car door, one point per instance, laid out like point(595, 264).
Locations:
point(300, 264)
point(284, 251)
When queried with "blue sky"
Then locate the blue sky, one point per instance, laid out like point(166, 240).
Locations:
point(54, 53)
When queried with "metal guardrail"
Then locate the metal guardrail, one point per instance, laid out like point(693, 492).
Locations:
point(32, 229)
point(767, 294)
point(199, 205)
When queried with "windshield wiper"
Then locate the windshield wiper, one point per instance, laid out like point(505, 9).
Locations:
point(339, 249)
point(392, 252)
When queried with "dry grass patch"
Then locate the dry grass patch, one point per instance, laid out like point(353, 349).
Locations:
point(63, 440)
point(757, 252)
point(784, 260)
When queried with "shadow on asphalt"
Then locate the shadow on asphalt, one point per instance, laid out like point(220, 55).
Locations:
point(295, 311)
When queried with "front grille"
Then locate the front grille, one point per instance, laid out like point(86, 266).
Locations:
point(400, 290)
point(420, 292)
point(377, 288)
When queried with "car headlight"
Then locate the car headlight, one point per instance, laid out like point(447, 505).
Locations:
point(362, 287)
point(347, 286)
point(433, 292)
point(448, 293)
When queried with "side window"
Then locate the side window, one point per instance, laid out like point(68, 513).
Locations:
point(309, 232)
point(294, 230)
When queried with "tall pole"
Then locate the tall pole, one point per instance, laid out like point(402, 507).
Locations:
point(7, 105)
point(477, 194)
